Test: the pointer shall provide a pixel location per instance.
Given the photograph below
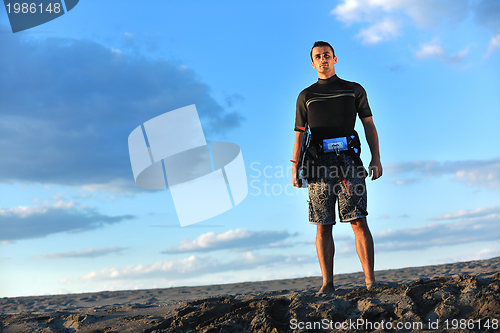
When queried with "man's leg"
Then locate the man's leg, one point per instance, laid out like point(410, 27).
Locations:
point(325, 249)
point(364, 248)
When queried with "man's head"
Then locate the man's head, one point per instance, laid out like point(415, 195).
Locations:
point(321, 43)
point(323, 59)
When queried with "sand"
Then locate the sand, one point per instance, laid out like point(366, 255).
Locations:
point(458, 297)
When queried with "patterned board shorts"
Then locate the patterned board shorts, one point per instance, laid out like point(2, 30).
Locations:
point(335, 177)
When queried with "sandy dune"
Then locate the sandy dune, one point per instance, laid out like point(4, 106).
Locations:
point(459, 297)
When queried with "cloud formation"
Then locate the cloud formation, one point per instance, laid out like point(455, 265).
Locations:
point(193, 266)
point(480, 225)
point(470, 214)
point(486, 15)
point(494, 45)
point(68, 107)
point(384, 30)
point(25, 222)
point(434, 50)
point(477, 225)
point(238, 240)
point(481, 255)
point(88, 253)
point(422, 13)
point(386, 20)
point(484, 173)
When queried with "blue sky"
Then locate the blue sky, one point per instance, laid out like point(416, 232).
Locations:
point(71, 91)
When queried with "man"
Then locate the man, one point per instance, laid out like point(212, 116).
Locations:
point(330, 107)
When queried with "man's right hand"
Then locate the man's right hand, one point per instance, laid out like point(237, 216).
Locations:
point(295, 155)
point(294, 176)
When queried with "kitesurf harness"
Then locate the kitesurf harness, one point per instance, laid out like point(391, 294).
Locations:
point(311, 149)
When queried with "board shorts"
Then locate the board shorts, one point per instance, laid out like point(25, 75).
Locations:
point(336, 177)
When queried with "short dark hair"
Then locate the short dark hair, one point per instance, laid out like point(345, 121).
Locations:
point(321, 43)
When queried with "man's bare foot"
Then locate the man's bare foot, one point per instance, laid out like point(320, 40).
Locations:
point(326, 289)
point(371, 285)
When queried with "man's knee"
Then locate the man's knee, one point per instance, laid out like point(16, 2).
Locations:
point(359, 224)
point(324, 230)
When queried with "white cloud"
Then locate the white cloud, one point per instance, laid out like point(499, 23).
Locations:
point(88, 253)
point(26, 222)
point(474, 213)
point(458, 57)
point(239, 239)
point(349, 11)
point(114, 186)
point(384, 30)
point(481, 255)
point(385, 20)
point(381, 27)
point(117, 51)
point(428, 14)
point(482, 175)
point(485, 173)
point(430, 50)
point(478, 225)
point(494, 45)
point(434, 50)
point(487, 13)
point(26, 211)
point(23, 211)
point(192, 266)
point(422, 13)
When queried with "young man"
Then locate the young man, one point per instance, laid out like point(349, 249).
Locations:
point(330, 107)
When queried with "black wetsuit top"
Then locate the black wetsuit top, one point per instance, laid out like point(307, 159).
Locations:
point(330, 107)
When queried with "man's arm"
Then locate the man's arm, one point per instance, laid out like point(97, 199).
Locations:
point(296, 152)
point(375, 168)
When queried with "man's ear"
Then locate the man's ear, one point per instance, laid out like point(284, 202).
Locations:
point(334, 60)
point(312, 64)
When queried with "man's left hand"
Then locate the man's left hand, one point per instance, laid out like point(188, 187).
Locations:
point(375, 169)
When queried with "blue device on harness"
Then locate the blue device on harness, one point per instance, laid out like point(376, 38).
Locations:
point(335, 145)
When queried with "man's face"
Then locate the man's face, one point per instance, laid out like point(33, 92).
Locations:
point(323, 61)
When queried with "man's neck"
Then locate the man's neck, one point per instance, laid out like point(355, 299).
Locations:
point(325, 77)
